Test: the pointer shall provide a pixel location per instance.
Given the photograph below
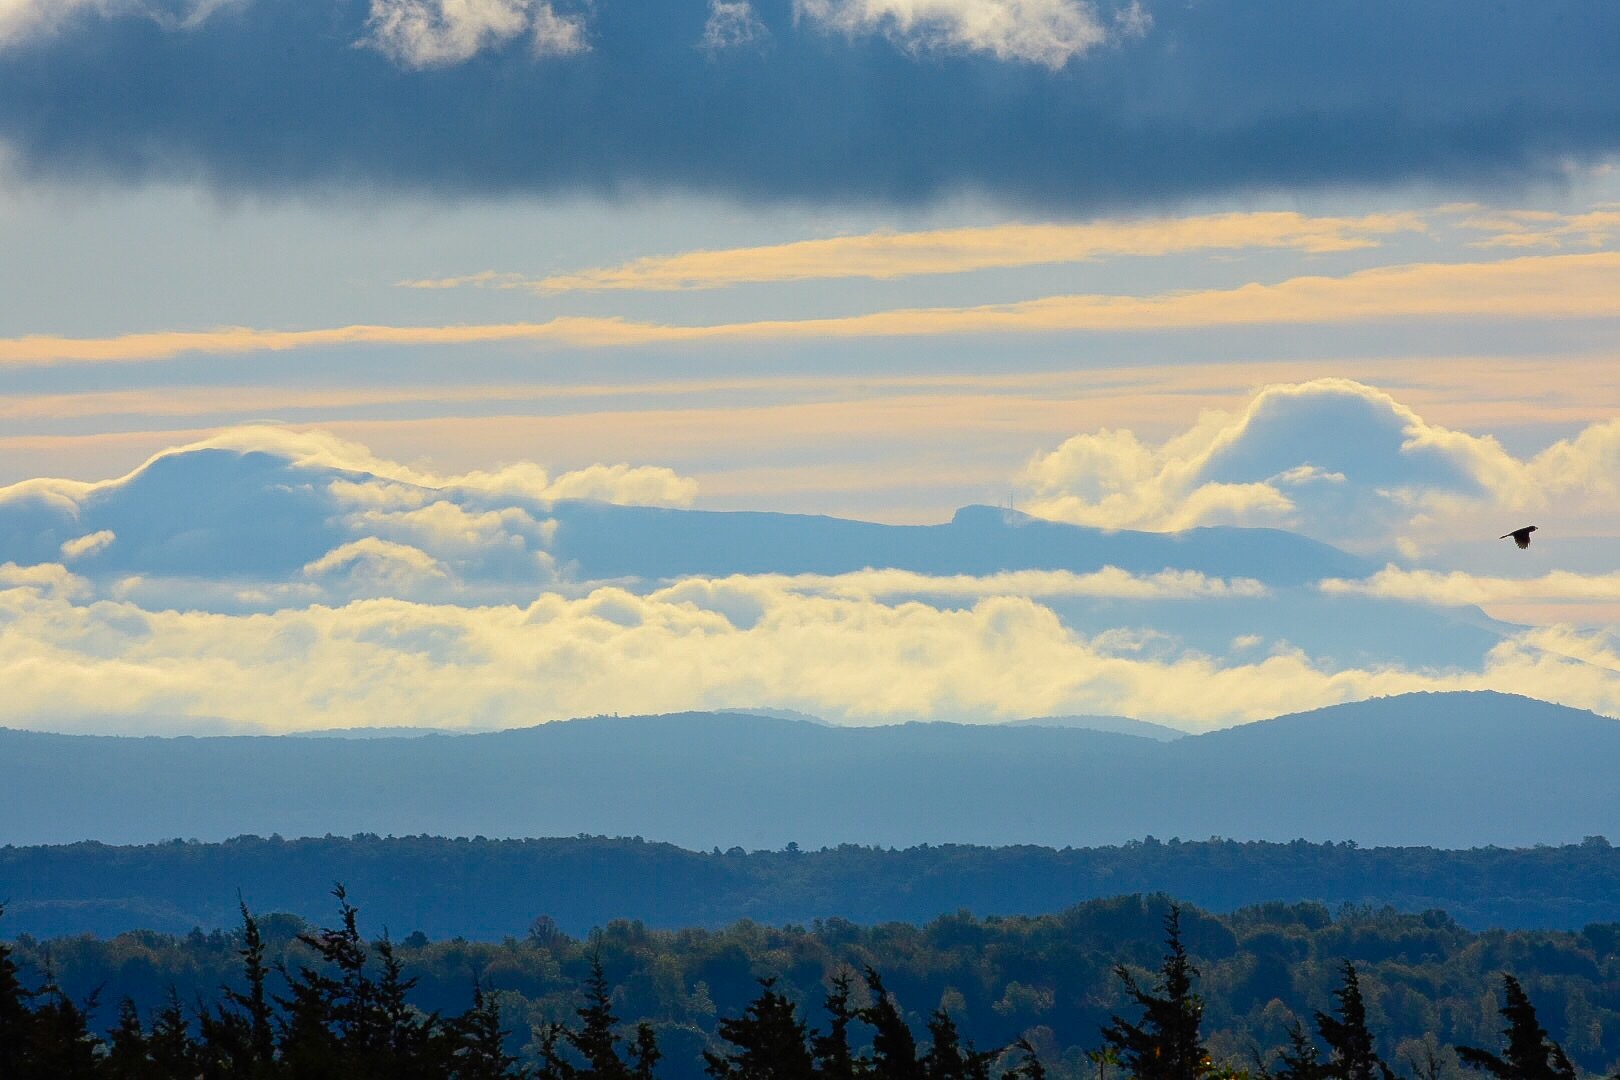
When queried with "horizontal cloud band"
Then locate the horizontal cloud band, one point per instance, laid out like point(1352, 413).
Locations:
point(886, 255)
point(1049, 102)
point(1541, 286)
point(733, 642)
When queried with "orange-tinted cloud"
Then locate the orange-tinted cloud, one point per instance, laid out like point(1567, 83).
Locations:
point(887, 255)
point(1531, 287)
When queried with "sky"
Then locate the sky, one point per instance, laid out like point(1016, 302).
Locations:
point(1346, 270)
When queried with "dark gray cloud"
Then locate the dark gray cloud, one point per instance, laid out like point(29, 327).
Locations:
point(1219, 96)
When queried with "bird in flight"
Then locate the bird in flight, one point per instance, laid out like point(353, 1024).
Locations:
point(1520, 536)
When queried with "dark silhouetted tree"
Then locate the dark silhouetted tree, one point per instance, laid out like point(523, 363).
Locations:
point(1166, 1043)
point(597, 1040)
point(255, 1004)
point(1028, 1066)
point(1350, 1044)
point(16, 1015)
point(834, 1059)
point(1530, 1054)
point(128, 1049)
point(480, 1053)
point(61, 1047)
point(1299, 1060)
point(894, 1048)
point(768, 1042)
point(948, 1058)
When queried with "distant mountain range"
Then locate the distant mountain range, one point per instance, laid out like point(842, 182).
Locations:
point(1451, 770)
point(1119, 725)
point(233, 532)
point(259, 516)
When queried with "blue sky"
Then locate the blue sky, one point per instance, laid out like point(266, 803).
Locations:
point(1346, 270)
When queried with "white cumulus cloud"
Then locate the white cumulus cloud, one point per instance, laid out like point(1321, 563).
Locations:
point(392, 481)
point(731, 24)
point(89, 544)
point(1048, 32)
point(1337, 460)
point(439, 33)
point(25, 20)
point(381, 562)
point(694, 645)
point(1460, 587)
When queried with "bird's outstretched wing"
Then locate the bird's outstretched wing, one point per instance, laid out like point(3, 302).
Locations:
point(1520, 536)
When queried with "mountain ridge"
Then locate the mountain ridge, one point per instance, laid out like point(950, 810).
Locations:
point(1445, 769)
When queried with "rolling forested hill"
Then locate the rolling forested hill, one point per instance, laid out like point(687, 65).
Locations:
point(1428, 982)
point(1450, 770)
point(488, 889)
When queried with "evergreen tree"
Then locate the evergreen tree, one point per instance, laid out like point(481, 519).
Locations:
point(1166, 1043)
point(948, 1058)
point(171, 1046)
point(334, 1024)
point(481, 1042)
point(61, 1047)
point(127, 1048)
point(16, 1015)
point(834, 1060)
point(553, 1066)
point(1350, 1044)
point(1299, 1060)
point(768, 1042)
point(409, 1042)
point(646, 1055)
point(596, 1040)
point(894, 1048)
point(1029, 1065)
point(1530, 1054)
point(254, 1005)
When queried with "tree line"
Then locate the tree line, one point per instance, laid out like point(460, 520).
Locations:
point(348, 1013)
point(175, 885)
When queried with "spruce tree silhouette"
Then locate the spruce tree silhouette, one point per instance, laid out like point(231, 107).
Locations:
point(1299, 1060)
point(1165, 1044)
point(947, 1058)
point(170, 1044)
point(1350, 1044)
point(16, 1017)
point(894, 1048)
point(768, 1042)
point(482, 1052)
point(645, 1055)
point(597, 1040)
point(1530, 1054)
point(62, 1047)
point(128, 1056)
point(834, 1060)
point(1029, 1065)
point(337, 1022)
point(260, 1049)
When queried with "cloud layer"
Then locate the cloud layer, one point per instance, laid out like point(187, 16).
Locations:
point(1528, 287)
point(887, 255)
point(260, 516)
point(1038, 102)
point(1048, 32)
point(735, 642)
point(346, 589)
point(1336, 460)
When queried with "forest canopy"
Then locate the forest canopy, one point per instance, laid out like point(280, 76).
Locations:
point(1055, 983)
point(492, 888)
